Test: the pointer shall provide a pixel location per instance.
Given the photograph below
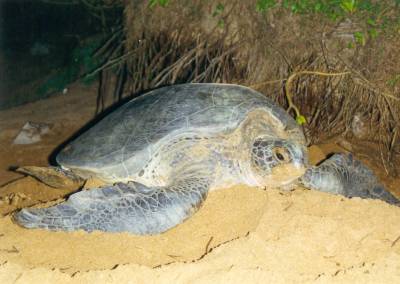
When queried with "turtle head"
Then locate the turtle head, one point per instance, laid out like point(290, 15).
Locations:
point(277, 162)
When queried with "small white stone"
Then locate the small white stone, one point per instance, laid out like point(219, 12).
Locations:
point(31, 133)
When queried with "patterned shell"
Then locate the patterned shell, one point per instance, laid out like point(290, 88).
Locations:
point(133, 129)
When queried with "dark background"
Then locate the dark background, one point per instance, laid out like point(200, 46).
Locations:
point(36, 40)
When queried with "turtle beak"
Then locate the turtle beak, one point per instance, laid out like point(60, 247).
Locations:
point(285, 174)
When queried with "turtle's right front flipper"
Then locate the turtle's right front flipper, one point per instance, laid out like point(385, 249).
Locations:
point(130, 207)
point(341, 174)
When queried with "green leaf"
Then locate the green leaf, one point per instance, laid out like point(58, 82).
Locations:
point(218, 10)
point(285, 4)
point(318, 7)
point(350, 45)
point(294, 8)
point(162, 3)
point(371, 22)
point(300, 119)
point(393, 81)
point(264, 5)
point(348, 6)
point(360, 38)
point(373, 33)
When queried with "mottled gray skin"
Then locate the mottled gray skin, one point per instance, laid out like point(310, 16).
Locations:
point(161, 153)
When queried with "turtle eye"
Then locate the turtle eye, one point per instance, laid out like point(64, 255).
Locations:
point(281, 154)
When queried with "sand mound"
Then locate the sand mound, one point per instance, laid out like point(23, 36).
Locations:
point(240, 213)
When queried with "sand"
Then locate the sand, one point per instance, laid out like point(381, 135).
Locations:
point(240, 235)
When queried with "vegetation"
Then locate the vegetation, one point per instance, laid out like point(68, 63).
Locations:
point(80, 62)
point(376, 16)
point(89, 54)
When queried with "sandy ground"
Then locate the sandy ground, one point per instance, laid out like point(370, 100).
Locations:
point(240, 235)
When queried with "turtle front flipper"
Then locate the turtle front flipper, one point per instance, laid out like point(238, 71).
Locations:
point(342, 174)
point(130, 207)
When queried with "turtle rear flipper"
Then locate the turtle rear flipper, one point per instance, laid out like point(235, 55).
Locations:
point(130, 207)
point(53, 176)
point(344, 175)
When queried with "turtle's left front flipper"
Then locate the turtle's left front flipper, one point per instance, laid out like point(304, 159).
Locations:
point(124, 207)
point(342, 174)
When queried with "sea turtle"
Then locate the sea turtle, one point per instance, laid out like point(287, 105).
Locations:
point(162, 152)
